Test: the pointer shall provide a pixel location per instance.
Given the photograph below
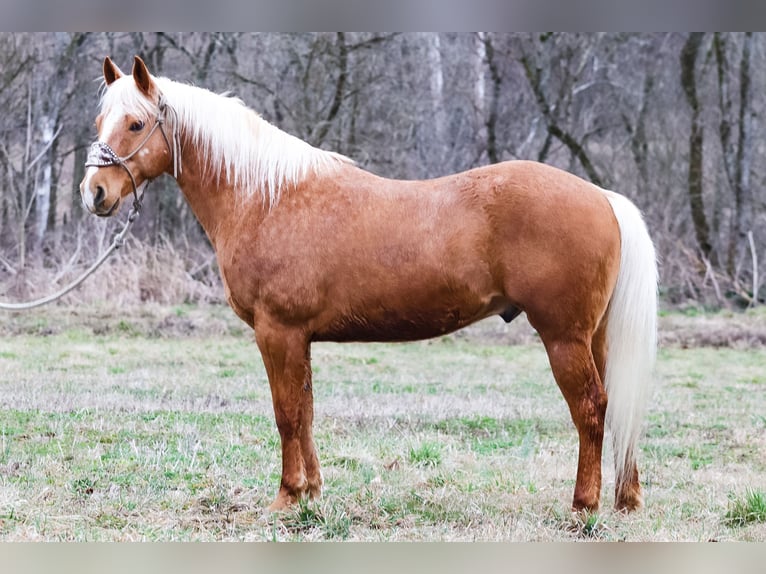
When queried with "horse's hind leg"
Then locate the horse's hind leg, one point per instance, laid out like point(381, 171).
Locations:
point(575, 371)
point(287, 359)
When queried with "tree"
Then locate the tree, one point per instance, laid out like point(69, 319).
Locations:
point(574, 64)
point(689, 57)
point(624, 109)
point(737, 155)
point(486, 52)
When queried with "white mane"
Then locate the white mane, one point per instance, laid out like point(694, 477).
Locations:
point(256, 157)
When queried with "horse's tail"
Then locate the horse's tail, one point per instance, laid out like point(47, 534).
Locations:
point(631, 337)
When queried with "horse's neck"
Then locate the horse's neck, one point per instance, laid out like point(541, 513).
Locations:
point(213, 200)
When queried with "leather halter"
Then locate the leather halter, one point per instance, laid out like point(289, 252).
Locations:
point(101, 155)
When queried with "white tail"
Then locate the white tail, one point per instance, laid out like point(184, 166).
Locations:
point(631, 336)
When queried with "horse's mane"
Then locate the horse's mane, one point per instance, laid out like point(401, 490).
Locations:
point(256, 156)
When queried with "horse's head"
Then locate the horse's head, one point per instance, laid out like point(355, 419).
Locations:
point(133, 144)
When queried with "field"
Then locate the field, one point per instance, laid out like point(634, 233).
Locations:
point(156, 424)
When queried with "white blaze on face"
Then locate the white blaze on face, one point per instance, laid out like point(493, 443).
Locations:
point(87, 193)
point(109, 125)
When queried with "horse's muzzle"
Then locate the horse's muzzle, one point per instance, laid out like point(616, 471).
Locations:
point(107, 212)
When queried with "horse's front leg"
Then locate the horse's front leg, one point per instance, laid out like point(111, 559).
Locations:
point(286, 355)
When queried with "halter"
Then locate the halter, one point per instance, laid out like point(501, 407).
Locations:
point(101, 155)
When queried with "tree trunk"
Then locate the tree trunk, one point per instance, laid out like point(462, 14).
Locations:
point(496, 79)
point(43, 181)
point(737, 157)
point(689, 55)
point(340, 91)
point(743, 193)
point(433, 138)
point(639, 144)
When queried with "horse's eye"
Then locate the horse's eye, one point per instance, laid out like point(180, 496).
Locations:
point(137, 126)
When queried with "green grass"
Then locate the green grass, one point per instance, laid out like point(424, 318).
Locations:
point(126, 431)
point(747, 509)
point(427, 454)
point(308, 520)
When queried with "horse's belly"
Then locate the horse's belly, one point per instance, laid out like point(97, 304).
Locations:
point(405, 324)
point(389, 330)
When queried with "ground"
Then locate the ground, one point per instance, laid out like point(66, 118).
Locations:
point(155, 423)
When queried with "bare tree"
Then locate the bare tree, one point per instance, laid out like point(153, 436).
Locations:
point(538, 75)
point(487, 50)
point(737, 155)
point(56, 89)
point(628, 109)
point(15, 60)
point(689, 57)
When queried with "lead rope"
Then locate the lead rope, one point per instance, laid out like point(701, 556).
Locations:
point(101, 155)
point(117, 242)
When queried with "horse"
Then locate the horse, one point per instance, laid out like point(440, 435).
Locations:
point(313, 248)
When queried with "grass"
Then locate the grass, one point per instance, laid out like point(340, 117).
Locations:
point(157, 425)
point(427, 454)
point(751, 508)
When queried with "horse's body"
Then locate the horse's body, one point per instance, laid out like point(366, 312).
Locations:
point(350, 270)
point(317, 249)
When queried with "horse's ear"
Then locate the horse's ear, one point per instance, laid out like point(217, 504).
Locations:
point(111, 71)
point(142, 77)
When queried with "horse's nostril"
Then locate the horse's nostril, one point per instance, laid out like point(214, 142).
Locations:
point(100, 196)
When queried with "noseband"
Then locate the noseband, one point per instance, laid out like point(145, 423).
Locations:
point(101, 155)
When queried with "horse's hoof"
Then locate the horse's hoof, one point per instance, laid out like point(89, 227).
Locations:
point(628, 498)
point(629, 504)
point(282, 502)
point(589, 505)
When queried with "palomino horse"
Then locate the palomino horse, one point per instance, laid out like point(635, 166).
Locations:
point(312, 248)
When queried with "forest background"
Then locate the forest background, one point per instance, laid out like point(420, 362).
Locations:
point(672, 120)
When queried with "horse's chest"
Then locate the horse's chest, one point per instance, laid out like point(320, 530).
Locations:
point(237, 302)
point(269, 282)
point(243, 277)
